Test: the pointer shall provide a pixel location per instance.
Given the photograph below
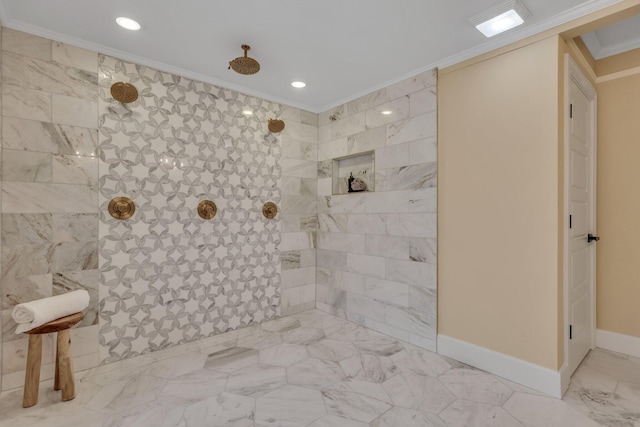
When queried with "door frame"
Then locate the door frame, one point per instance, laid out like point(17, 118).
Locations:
point(575, 74)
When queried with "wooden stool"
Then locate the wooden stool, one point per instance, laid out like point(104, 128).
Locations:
point(64, 365)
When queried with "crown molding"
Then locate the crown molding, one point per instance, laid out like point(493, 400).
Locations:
point(501, 41)
point(141, 60)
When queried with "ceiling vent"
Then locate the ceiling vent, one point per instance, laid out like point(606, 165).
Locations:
point(501, 17)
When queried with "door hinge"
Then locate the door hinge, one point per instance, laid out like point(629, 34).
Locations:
point(571, 111)
point(570, 221)
point(570, 332)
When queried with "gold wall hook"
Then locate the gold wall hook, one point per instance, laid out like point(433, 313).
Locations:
point(269, 210)
point(207, 209)
point(122, 208)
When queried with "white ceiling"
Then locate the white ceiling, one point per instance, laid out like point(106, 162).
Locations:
point(341, 48)
point(614, 39)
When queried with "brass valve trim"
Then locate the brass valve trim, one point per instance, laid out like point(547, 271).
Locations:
point(122, 208)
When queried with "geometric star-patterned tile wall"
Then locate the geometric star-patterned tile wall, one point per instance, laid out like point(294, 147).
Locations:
point(166, 275)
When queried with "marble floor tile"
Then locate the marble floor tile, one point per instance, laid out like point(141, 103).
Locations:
point(476, 386)
point(418, 361)
point(316, 319)
point(352, 405)
point(315, 370)
point(519, 387)
point(366, 367)
point(465, 413)
point(283, 354)
point(49, 401)
point(379, 345)
point(177, 366)
point(127, 393)
point(259, 339)
point(346, 331)
point(365, 388)
point(117, 371)
point(315, 373)
point(606, 408)
point(407, 418)
point(256, 380)
point(77, 417)
point(170, 352)
point(156, 414)
point(193, 387)
point(630, 392)
point(418, 392)
point(289, 406)
point(333, 421)
point(586, 377)
point(222, 410)
point(616, 366)
point(333, 350)
point(232, 359)
point(303, 336)
point(545, 411)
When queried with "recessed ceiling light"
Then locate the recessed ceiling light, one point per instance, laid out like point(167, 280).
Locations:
point(247, 112)
point(128, 23)
point(387, 112)
point(298, 85)
point(500, 18)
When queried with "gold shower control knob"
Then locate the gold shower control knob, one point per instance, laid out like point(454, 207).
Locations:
point(207, 209)
point(269, 210)
point(122, 208)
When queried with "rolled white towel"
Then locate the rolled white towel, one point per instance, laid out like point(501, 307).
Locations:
point(32, 314)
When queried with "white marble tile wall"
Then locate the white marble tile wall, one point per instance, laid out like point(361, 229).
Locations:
point(377, 251)
point(49, 215)
point(299, 210)
point(1, 175)
point(161, 289)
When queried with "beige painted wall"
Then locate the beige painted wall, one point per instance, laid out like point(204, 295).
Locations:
point(618, 206)
point(498, 256)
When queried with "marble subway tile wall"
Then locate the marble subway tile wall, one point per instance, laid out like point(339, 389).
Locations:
point(1, 292)
point(49, 220)
point(300, 216)
point(376, 256)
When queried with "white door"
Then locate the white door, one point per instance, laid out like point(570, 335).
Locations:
point(581, 225)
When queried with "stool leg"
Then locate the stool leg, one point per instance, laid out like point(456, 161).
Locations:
point(56, 381)
point(65, 365)
point(32, 378)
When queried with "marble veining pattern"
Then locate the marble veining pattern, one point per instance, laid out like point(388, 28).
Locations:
point(49, 226)
point(205, 385)
point(606, 388)
point(376, 262)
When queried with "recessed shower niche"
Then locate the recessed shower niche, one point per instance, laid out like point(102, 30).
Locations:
point(354, 173)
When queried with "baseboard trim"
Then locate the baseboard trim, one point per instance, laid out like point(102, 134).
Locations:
point(511, 368)
point(620, 343)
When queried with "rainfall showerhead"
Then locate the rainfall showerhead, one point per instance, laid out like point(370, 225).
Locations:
point(244, 64)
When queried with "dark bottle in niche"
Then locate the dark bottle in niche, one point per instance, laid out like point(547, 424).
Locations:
point(350, 182)
point(356, 185)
